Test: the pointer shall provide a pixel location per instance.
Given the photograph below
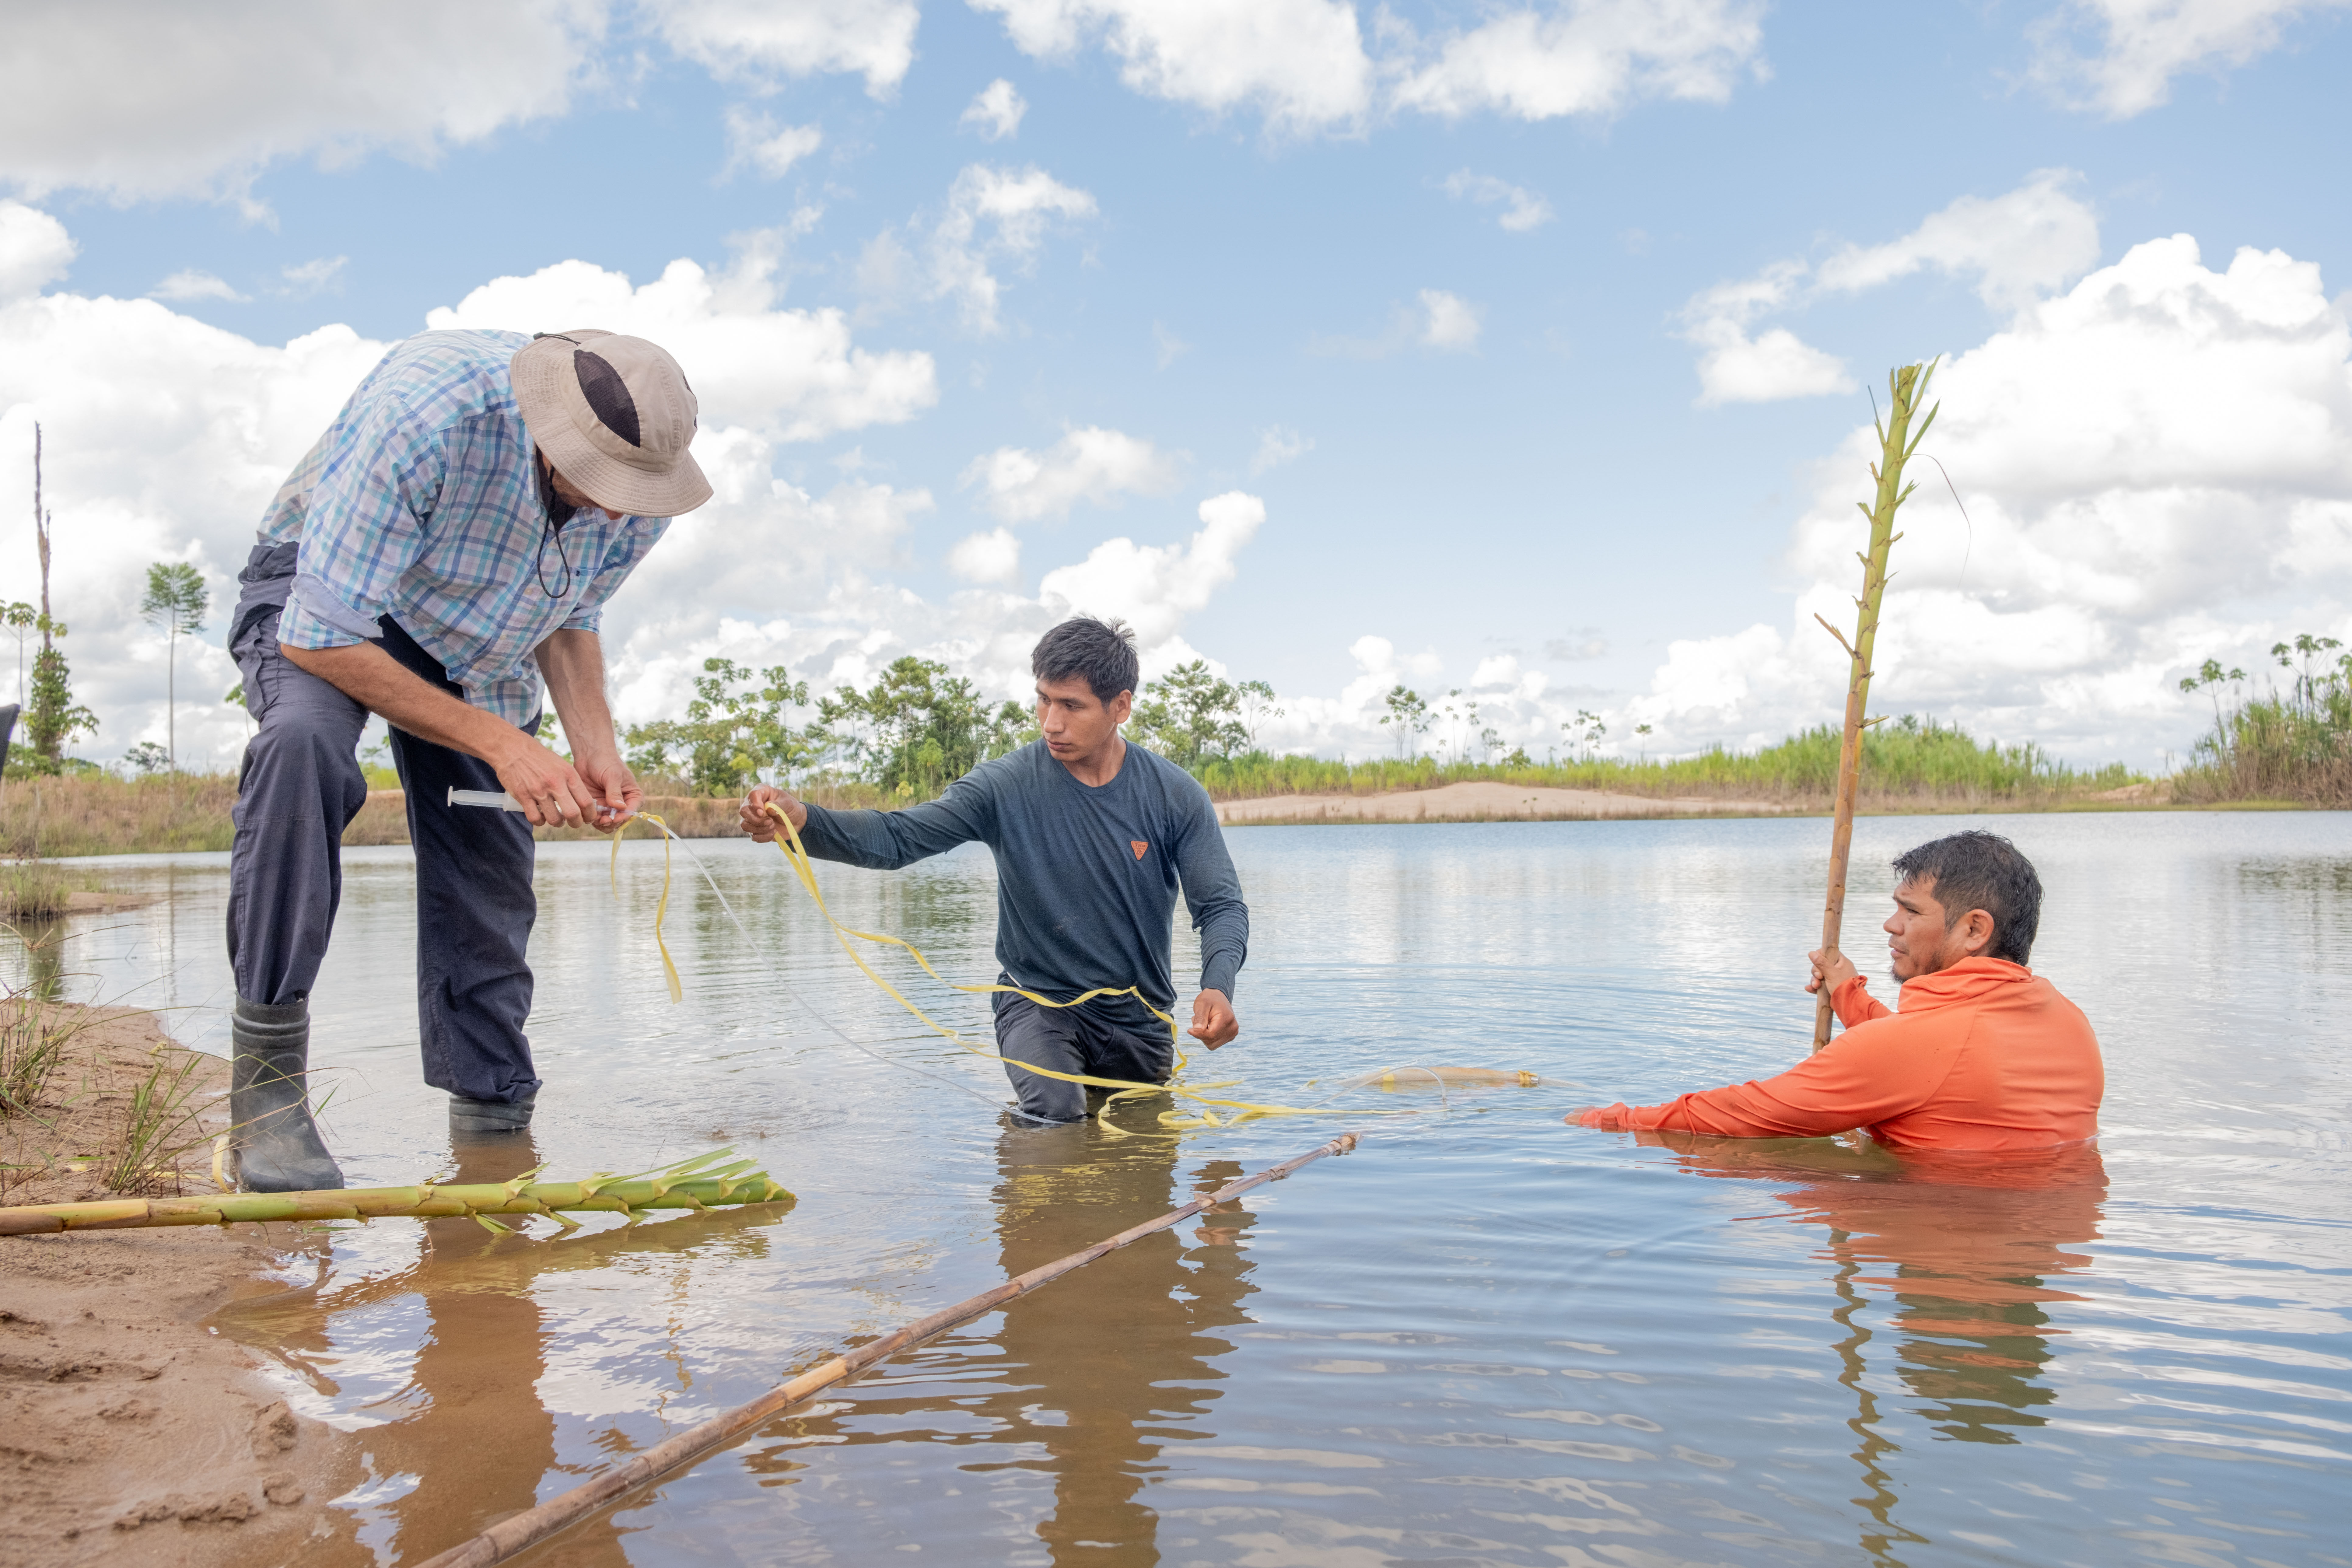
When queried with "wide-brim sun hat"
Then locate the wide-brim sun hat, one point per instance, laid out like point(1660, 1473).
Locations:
point(614, 416)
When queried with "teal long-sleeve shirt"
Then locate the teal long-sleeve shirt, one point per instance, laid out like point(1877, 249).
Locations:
point(1087, 876)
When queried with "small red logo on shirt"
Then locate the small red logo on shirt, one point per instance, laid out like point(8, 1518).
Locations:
point(1138, 845)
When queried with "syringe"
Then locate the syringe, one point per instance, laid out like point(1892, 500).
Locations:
point(495, 799)
point(500, 800)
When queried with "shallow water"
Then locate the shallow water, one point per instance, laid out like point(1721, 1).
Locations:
point(1483, 1338)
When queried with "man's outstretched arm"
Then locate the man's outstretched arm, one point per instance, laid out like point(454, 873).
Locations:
point(1861, 1077)
point(877, 840)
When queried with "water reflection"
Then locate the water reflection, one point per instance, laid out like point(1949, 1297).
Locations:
point(44, 946)
point(468, 1426)
point(1968, 1246)
point(1084, 1384)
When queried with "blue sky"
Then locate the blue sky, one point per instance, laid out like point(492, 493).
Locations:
point(1484, 451)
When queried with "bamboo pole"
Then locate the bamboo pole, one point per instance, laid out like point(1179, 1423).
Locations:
point(693, 1184)
point(527, 1529)
point(1905, 387)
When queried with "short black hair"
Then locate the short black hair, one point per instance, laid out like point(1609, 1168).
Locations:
point(1981, 870)
point(1103, 651)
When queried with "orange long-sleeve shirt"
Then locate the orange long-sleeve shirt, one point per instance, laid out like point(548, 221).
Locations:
point(1984, 1055)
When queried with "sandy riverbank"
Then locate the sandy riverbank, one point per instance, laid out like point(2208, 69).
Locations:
point(129, 1432)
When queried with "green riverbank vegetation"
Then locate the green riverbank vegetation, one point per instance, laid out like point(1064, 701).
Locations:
point(1908, 764)
point(2290, 743)
point(917, 728)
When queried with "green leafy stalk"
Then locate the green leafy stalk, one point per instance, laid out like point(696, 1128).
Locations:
point(1906, 388)
point(701, 1183)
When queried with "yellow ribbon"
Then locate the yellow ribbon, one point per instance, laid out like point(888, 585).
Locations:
point(669, 970)
point(796, 855)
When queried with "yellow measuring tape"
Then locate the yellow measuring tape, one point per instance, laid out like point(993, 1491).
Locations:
point(797, 857)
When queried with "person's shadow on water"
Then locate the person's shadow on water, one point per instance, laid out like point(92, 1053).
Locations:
point(1970, 1248)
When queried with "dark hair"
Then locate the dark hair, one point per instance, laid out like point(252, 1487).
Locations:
point(1103, 651)
point(1981, 870)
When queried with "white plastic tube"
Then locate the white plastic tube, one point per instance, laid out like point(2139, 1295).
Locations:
point(495, 799)
point(499, 800)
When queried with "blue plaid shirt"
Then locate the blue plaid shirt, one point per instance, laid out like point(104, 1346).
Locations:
point(422, 502)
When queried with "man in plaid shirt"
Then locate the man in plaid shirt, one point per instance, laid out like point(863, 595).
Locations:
point(440, 557)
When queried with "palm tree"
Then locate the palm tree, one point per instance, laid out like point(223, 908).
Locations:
point(176, 602)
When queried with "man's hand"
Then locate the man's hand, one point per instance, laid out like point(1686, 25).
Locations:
point(757, 820)
point(1213, 1023)
point(549, 790)
point(1603, 1116)
point(1831, 968)
point(620, 796)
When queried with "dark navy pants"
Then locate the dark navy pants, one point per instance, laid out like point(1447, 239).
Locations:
point(300, 788)
point(1072, 1039)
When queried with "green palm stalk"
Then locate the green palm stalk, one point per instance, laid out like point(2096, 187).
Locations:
point(701, 1183)
point(1905, 387)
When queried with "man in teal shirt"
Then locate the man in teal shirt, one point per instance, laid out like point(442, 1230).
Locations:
point(1093, 838)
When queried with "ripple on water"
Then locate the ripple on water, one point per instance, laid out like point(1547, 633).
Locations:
point(1484, 1338)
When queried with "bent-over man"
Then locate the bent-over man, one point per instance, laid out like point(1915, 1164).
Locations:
point(1984, 1054)
point(447, 545)
point(1093, 838)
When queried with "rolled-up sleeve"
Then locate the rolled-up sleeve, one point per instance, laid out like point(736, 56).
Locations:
point(364, 528)
point(620, 559)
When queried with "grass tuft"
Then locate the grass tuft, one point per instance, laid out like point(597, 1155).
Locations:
point(155, 1128)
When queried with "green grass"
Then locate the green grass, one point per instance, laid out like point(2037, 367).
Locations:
point(1907, 763)
point(2277, 749)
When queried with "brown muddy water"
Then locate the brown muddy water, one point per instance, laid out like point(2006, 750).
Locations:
point(1484, 1338)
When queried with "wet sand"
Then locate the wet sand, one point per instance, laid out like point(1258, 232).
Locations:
point(129, 1431)
point(1481, 802)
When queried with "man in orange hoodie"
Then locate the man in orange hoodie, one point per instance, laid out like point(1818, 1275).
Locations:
point(1984, 1055)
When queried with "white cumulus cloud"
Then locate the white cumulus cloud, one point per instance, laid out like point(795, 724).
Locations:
point(790, 374)
point(995, 215)
point(315, 277)
point(1278, 445)
point(192, 283)
point(2156, 467)
point(1522, 208)
point(755, 142)
point(1155, 587)
point(1589, 58)
point(1088, 464)
point(150, 98)
point(2015, 247)
point(996, 110)
point(2018, 247)
point(1301, 63)
point(35, 248)
point(991, 557)
point(2120, 57)
point(1449, 321)
point(758, 41)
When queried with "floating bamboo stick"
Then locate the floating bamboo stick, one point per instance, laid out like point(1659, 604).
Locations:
point(532, 1525)
point(695, 1184)
point(1905, 387)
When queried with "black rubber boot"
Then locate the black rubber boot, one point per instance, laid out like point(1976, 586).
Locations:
point(473, 1116)
point(278, 1145)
